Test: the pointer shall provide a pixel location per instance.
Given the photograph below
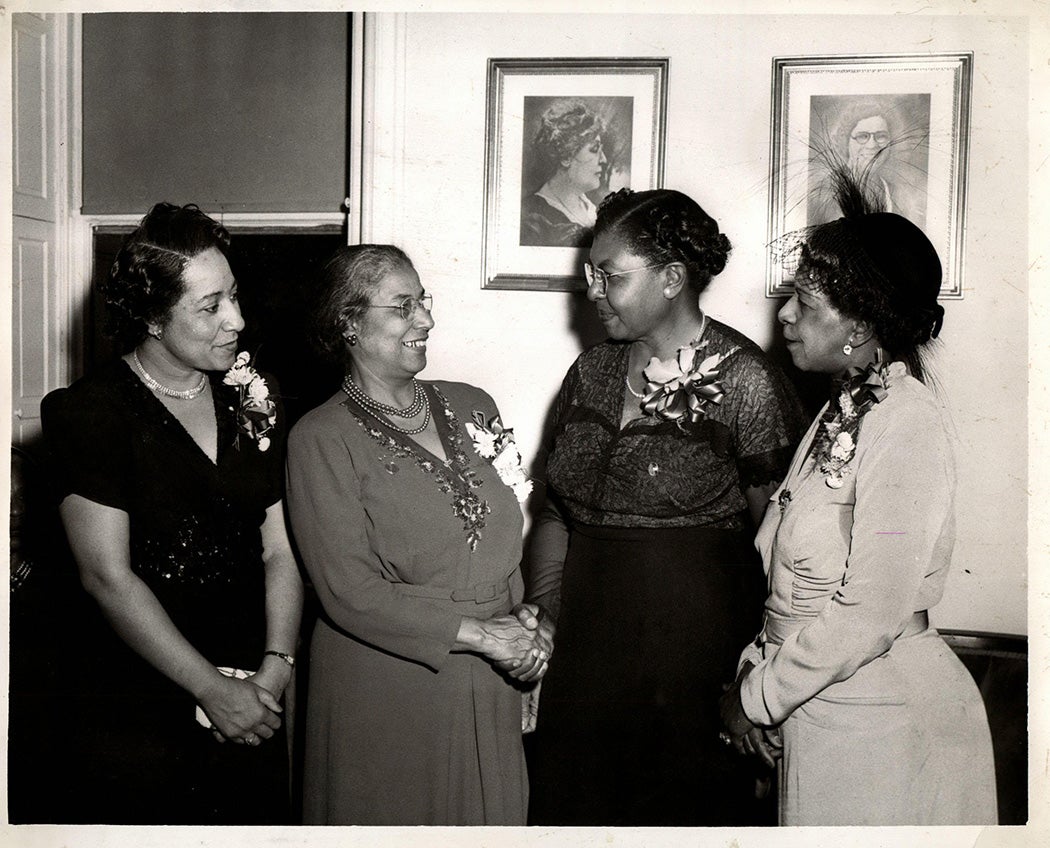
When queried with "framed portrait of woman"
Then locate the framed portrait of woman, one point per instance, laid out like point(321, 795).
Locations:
point(560, 135)
point(898, 123)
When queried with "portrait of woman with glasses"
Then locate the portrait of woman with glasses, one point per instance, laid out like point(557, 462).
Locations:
point(412, 538)
point(666, 442)
point(882, 142)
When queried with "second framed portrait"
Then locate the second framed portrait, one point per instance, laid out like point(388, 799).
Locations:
point(560, 135)
point(900, 124)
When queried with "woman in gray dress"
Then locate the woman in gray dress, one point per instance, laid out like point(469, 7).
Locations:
point(404, 503)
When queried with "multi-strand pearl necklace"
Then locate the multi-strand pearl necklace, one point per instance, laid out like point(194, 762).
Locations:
point(183, 394)
point(420, 403)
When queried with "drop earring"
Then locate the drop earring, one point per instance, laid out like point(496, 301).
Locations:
point(847, 348)
point(156, 334)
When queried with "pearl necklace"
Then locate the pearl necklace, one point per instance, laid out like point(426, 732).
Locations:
point(420, 403)
point(184, 394)
point(696, 339)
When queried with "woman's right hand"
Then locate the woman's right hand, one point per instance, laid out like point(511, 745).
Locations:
point(239, 710)
point(534, 667)
point(504, 641)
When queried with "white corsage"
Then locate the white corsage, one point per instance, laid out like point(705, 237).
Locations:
point(838, 450)
point(860, 391)
point(494, 442)
point(256, 412)
point(683, 388)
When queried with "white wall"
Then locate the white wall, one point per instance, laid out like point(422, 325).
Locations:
point(430, 126)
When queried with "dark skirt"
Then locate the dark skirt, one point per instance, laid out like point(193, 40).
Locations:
point(121, 745)
point(651, 626)
point(137, 762)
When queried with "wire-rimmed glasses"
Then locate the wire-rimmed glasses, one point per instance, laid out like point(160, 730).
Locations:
point(882, 138)
point(599, 278)
point(407, 307)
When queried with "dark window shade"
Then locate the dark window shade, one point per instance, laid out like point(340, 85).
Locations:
point(237, 112)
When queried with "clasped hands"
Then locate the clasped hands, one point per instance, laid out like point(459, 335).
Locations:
point(739, 731)
point(526, 637)
point(247, 711)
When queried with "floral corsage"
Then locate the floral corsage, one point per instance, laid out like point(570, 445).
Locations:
point(495, 443)
point(256, 412)
point(680, 389)
point(862, 389)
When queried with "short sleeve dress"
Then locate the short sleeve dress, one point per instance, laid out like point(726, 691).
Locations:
point(659, 579)
point(137, 754)
point(400, 545)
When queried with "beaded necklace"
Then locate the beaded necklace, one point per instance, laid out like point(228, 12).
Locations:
point(183, 394)
point(383, 411)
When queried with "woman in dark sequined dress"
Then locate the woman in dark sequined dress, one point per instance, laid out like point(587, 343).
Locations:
point(170, 481)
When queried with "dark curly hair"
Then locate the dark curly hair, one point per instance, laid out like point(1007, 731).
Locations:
point(565, 127)
point(349, 279)
point(146, 281)
point(876, 267)
point(663, 225)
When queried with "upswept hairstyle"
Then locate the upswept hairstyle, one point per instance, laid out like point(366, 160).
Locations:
point(348, 280)
point(873, 266)
point(146, 278)
point(663, 225)
point(565, 127)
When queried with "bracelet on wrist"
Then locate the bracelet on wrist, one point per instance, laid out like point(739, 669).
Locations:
point(288, 658)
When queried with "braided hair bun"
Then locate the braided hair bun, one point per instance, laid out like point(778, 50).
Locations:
point(663, 225)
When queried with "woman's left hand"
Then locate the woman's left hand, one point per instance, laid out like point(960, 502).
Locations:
point(273, 675)
point(735, 723)
point(739, 731)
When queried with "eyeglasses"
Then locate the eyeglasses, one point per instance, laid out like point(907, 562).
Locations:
point(863, 137)
point(599, 278)
point(408, 306)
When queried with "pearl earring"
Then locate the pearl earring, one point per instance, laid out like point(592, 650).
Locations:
point(351, 339)
point(847, 348)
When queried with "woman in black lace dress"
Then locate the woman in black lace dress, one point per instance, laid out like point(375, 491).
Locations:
point(170, 479)
point(667, 440)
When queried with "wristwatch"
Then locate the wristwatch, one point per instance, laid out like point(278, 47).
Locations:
point(288, 658)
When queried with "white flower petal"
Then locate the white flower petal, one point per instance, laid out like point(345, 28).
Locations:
point(686, 355)
point(662, 371)
point(710, 363)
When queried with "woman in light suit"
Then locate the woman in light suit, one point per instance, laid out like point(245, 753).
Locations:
point(873, 719)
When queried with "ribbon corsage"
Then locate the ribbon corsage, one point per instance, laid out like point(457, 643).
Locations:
point(858, 393)
point(679, 389)
point(494, 442)
point(256, 411)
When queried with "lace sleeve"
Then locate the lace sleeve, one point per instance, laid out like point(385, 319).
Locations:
point(767, 417)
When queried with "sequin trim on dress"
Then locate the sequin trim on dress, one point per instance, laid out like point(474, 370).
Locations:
point(466, 505)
